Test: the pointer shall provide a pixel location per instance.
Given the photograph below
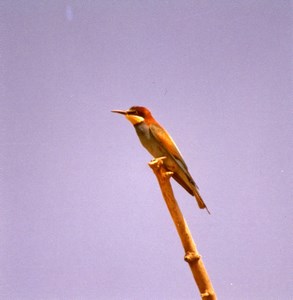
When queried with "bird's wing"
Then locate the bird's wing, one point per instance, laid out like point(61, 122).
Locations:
point(168, 144)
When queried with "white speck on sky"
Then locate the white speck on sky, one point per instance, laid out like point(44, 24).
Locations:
point(69, 13)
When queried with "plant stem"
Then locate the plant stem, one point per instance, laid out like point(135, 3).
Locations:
point(191, 254)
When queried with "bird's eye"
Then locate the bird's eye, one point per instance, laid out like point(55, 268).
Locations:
point(133, 112)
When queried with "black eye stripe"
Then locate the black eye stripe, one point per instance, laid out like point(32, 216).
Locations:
point(132, 112)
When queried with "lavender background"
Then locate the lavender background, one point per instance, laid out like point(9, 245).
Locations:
point(81, 214)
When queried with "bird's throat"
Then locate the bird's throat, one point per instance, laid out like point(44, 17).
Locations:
point(134, 119)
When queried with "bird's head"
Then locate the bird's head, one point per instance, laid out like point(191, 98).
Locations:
point(135, 114)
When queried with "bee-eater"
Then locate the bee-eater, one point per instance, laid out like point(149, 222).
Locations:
point(159, 143)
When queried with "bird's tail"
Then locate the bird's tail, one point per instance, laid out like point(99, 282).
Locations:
point(199, 200)
point(191, 188)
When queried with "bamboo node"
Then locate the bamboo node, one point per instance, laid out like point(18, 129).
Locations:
point(207, 294)
point(191, 256)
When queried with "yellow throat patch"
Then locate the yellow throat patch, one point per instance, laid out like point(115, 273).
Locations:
point(134, 119)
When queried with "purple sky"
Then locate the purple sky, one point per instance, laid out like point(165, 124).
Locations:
point(81, 214)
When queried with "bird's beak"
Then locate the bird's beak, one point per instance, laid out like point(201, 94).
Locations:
point(122, 112)
point(129, 116)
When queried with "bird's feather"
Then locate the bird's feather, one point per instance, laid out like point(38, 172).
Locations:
point(169, 145)
point(167, 142)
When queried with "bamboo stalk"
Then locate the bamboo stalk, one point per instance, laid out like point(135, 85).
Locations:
point(192, 256)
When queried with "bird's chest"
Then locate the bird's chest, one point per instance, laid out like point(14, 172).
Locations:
point(148, 140)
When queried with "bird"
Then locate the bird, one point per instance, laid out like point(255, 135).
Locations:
point(159, 143)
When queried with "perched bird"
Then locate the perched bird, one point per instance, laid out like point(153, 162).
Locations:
point(159, 143)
